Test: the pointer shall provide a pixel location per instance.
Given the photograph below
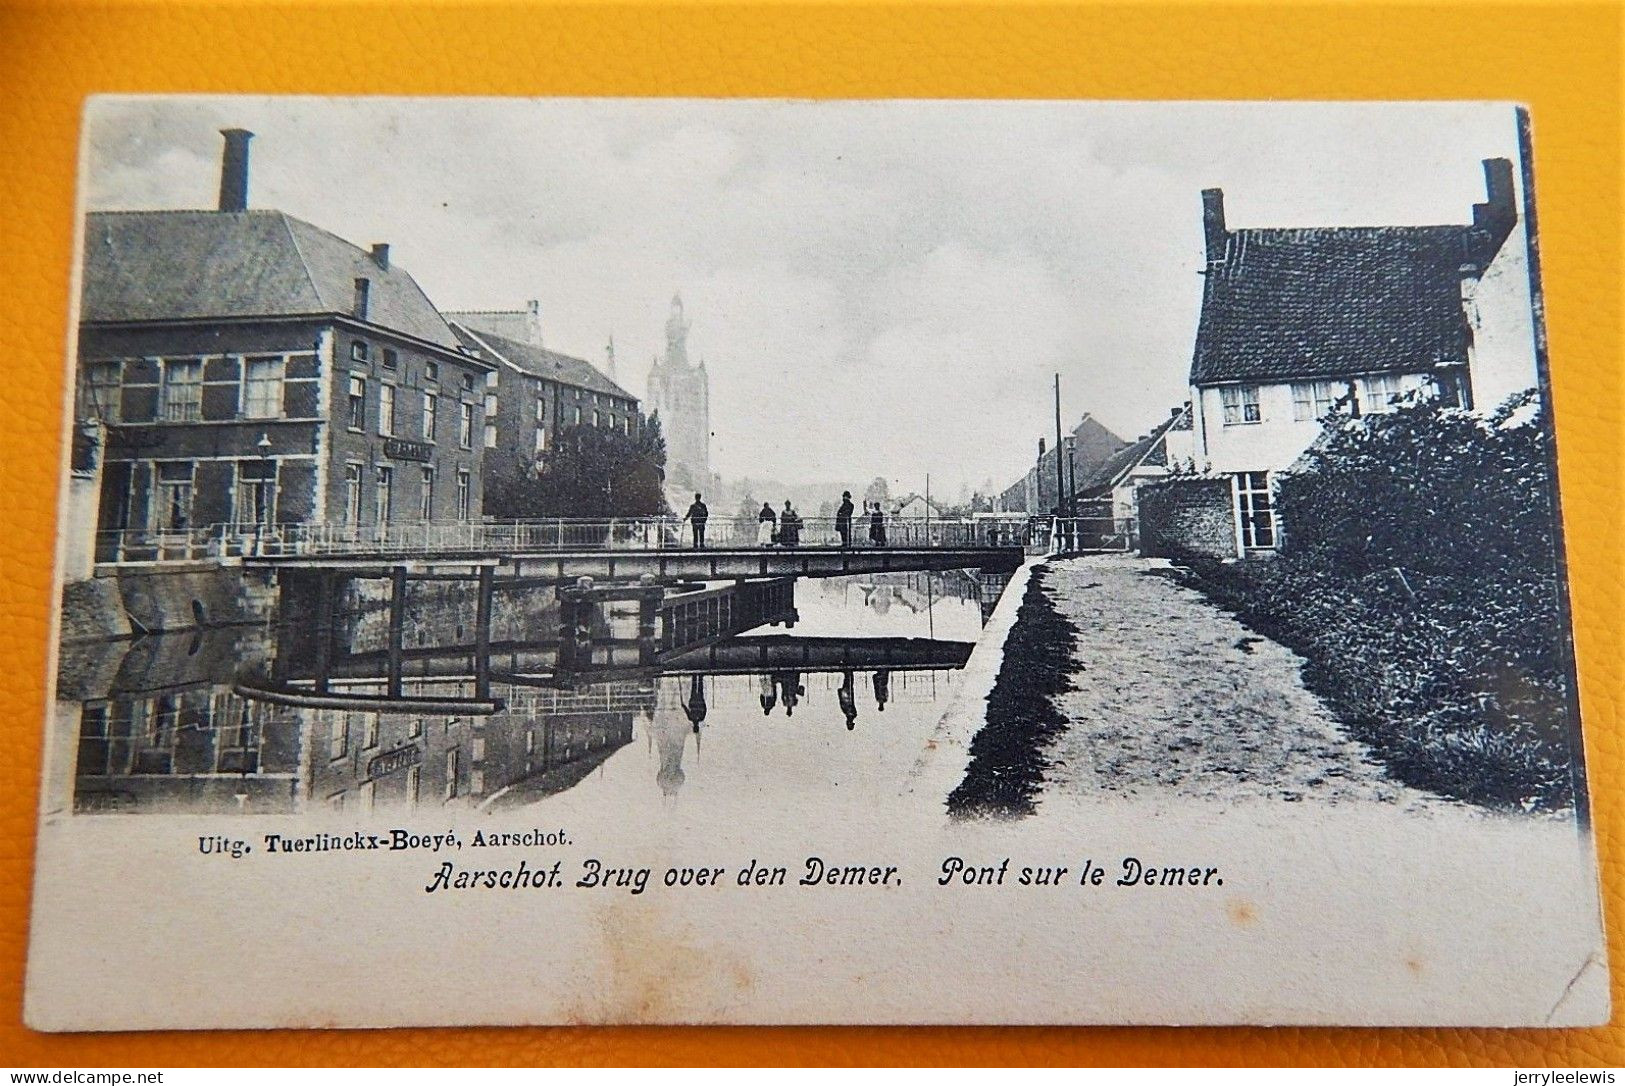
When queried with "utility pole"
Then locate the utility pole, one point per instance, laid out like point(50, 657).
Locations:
point(1060, 473)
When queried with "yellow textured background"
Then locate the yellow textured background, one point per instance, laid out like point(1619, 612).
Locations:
point(1562, 60)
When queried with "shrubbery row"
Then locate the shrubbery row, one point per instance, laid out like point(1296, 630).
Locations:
point(1420, 576)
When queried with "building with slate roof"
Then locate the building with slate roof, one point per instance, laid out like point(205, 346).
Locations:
point(532, 394)
point(251, 369)
point(1299, 324)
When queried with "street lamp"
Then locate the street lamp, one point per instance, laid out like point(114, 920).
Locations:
point(262, 499)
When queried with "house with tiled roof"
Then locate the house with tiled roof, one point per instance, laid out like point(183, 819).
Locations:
point(249, 369)
point(1300, 324)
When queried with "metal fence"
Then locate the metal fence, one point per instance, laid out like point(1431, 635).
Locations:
point(558, 534)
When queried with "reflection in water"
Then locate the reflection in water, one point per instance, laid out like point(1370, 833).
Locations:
point(164, 725)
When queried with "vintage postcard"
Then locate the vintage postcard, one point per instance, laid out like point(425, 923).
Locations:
point(585, 561)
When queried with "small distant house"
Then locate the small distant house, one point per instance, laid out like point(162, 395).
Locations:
point(1167, 449)
point(1299, 324)
point(1091, 443)
point(916, 507)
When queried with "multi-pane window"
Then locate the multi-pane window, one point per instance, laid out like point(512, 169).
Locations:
point(256, 491)
point(352, 494)
point(369, 731)
point(597, 419)
point(1240, 405)
point(464, 484)
point(1313, 400)
point(1256, 510)
point(465, 425)
point(541, 440)
point(451, 773)
point(358, 402)
point(384, 481)
point(386, 410)
point(426, 496)
point(468, 382)
point(262, 388)
point(431, 411)
point(577, 416)
point(174, 496)
point(541, 411)
point(391, 359)
point(102, 390)
point(431, 371)
point(358, 350)
point(1378, 393)
point(180, 395)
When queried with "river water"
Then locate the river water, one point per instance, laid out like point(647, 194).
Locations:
point(171, 724)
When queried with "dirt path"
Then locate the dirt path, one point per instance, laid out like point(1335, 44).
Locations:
point(1175, 696)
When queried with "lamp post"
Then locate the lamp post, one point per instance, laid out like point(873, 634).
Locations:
point(263, 500)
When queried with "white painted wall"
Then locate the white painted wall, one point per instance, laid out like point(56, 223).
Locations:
point(1503, 361)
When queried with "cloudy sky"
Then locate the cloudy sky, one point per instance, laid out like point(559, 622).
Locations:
point(876, 287)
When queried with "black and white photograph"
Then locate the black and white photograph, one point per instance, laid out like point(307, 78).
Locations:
point(758, 561)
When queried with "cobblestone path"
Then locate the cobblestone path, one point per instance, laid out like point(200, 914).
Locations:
point(1175, 696)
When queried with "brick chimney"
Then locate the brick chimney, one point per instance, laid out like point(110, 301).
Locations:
point(380, 255)
point(1213, 229)
point(234, 170)
point(363, 298)
point(1041, 448)
point(1494, 219)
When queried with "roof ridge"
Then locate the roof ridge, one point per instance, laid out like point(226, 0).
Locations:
point(477, 338)
point(298, 251)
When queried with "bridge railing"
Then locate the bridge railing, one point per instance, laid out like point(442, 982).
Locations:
point(552, 534)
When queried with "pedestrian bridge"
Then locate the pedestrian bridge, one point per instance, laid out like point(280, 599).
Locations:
point(628, 550)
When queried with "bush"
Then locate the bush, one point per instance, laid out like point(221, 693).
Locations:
point(1420, 577)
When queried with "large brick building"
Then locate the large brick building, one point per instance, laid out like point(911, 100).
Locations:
point(253, 369)
point(533, 394)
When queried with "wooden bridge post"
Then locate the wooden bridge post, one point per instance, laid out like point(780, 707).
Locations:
point(397, 627)
point(326, 626)
point(482, 634)
point(648, 619)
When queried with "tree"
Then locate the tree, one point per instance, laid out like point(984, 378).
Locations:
point(590, 472)
point(878, 491)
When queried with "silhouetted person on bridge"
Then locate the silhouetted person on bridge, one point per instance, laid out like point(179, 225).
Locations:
point(789, 526)
point(766, 525)
point(843, 519)
point(882, 689)
point(698, 514)
point(877, 526)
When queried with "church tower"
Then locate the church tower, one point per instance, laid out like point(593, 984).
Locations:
point(682, 394)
